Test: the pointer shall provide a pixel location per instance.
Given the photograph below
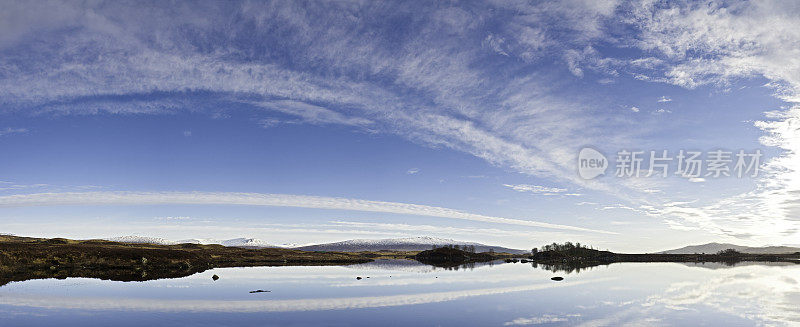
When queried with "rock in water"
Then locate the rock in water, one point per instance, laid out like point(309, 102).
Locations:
point(259, 291)
point(557, 278)
point(215, 277)
point(359, 278)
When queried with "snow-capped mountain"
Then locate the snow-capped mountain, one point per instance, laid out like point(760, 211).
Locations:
point(711, 248)
point(392, 244)
point(241, 242)
point(247, 243)
point(199, 241)
point(401, 244)
point(236, 242)
point(141, 239)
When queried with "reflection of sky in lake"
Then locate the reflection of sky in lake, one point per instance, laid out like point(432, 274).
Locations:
point(505, 294)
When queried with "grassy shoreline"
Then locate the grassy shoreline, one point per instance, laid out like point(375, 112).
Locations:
point(23, 258)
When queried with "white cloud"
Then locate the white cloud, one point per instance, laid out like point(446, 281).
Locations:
point(746, 38)
point(430, 90)
point(261, 199)
point(634, 109)
point(412, 171)
point(618, 206)
point(174, 218)
point(539, 320)
point(311, 113)
point(9, 186)
point(415, 230)
point(716, 44)
point(664, 99)
point(537, 189)
point(9, 131)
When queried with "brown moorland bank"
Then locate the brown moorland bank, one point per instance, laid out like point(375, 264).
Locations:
point(23, 258)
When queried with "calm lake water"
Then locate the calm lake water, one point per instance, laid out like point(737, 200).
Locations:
point(402, 293)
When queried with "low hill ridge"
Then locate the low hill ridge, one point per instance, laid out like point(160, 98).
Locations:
point(710, 248)
point(403, 244)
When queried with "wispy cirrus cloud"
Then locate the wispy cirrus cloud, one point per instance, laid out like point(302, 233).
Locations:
point(538, 189)
point(261, 199)
point(312, 114)
point(418, 229)
point(9, 131)
point(534, 188)
point(540, 320)
point(430, 89)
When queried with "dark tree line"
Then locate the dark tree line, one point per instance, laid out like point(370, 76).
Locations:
point(729, 252)
point(566, 246)
point(465, 247)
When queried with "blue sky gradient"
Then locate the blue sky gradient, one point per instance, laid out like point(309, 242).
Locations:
point(471, 109)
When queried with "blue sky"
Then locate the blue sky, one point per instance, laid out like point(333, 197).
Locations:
point(323, 121)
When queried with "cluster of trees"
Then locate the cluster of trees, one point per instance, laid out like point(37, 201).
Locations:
point(465, 248)
point(560, 247)
point(729, 252)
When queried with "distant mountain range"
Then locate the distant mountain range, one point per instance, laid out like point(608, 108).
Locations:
point(141, 239)
point(402, 244)
point(716, 247)
point(390, 244)
point(235, 242)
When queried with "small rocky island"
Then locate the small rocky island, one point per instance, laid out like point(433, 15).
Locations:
point(452, 255)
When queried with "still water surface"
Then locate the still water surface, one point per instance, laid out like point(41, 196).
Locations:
point(404, 293)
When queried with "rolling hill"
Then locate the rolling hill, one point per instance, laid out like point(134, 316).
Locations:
point(711, 248)
point(402, 244)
